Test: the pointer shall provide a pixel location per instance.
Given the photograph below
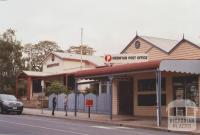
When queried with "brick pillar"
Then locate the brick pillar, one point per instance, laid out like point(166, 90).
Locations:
point(115, 99)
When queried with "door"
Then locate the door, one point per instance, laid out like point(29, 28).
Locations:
point(179, 93)
point(185, 88)
point(125, 95)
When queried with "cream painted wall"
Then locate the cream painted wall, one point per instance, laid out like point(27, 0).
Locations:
point(64, 65)
point(148, 110)
point(55, 68)
point(198, 113)
point(183, 51)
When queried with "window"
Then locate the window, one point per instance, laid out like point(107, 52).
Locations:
point(137, 44)
point(147, 92)
point(186, 88)
point(150, 85)
point(150, 100)
point(36, 87)
point(104, 87)
point(147, 85)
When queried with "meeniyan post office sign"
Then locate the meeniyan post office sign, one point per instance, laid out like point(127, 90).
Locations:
point(125, 58)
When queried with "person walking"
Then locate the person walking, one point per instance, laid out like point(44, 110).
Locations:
point(65, 105)
point(54, 105)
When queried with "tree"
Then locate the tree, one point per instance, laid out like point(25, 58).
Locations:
point(93, 88)
point(86, 50)
point(9, 35)
point(11, 61)
point(35, 53)
point(57, 88)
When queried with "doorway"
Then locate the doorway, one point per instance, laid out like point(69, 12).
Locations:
point(125, 95)
point(185, 88)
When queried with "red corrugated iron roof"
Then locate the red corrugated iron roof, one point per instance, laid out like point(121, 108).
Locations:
point(42, 74)
point(119, 69)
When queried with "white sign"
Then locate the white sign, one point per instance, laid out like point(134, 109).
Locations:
point(178, 117)
point(42, 83)
point(126, 58)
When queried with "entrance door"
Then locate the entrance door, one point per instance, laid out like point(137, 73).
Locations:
point(185, 88)
point(179, 93)
point(125, 94)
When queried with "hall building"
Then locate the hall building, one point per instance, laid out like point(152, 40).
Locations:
point(57, 66)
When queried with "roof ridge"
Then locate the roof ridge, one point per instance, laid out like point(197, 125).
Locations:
point(97, 60)
point(159, 38)
point(76, 54)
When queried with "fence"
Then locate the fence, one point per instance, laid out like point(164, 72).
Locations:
point(101, 103)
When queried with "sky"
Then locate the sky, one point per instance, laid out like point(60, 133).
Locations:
point(109, 25)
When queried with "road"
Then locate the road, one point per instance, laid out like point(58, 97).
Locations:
point(33, 125)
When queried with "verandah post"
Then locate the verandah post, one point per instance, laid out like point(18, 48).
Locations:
point(29, 88)
point(158, 97)
point(111, 103)
point(75, 91)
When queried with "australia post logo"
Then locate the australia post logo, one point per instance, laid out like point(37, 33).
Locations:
point(108, 58)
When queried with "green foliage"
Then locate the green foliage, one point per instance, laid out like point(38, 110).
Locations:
point(10, 61)
point(22, 85)
point(21, 92)
point(37, 52)
point(92, 89)
point(57, 88)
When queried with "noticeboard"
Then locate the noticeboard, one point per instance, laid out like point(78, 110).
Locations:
point(89, 102)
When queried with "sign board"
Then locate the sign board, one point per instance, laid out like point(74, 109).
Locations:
point(89, 102)
point(125, 58)
point(42, 83)
point(52, 65)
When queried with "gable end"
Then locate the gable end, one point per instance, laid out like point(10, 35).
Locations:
point(182, 41)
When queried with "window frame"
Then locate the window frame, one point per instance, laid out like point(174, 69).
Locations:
point(152, 103)
point(152, 80)
point(152, 91)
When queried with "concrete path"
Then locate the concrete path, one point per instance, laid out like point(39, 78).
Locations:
point(134, 122)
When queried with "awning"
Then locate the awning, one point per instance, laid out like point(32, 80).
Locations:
point(125, 68)
point(41, 74)
point(181, 66)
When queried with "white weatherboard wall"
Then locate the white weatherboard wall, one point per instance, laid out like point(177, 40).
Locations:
point(64, 65)
point(54, 69)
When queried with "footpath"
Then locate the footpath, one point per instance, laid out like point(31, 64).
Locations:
point(127, 121)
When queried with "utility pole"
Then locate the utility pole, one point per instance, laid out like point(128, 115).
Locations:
point(81, 48)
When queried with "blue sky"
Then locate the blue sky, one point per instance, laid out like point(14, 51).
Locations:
point(109, 25)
